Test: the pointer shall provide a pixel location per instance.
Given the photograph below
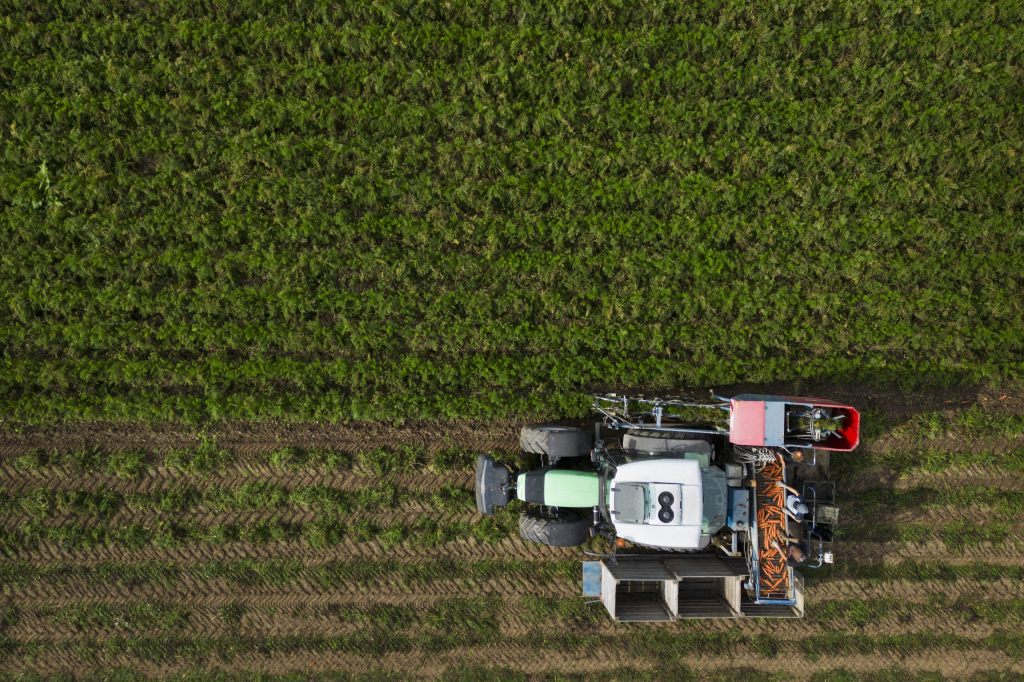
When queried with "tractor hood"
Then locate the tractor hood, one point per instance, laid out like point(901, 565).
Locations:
point(658, 502)
point(558, 488)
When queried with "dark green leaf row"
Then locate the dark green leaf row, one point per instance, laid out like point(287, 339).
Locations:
point(899, 158)
point(900, 164)
point(333, 299)
point(412, 38)
point(559, 14)
point(938, 141)
point(532, 386)
point(510, 81)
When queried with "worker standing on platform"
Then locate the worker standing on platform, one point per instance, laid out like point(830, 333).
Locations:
point(796, 507)
point(796, 553)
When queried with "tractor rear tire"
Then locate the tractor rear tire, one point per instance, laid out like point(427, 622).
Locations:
point(555, 442)
point(568, 529)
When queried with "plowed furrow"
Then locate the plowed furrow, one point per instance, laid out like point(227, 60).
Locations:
point(161, 479)
point(260, 438)
point(465, 548)
point(404, 514)
point(914, 591)
point(936, 515)
point(533, 661)
point(899, 442)
point(1008, 553)
point(385, 590)
point(292, 618)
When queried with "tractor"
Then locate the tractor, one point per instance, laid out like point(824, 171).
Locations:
point(736, 486)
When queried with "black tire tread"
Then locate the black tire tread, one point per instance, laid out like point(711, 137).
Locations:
point(555, 442)
point(568, 530)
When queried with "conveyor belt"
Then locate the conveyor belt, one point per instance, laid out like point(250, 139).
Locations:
point(772, 531)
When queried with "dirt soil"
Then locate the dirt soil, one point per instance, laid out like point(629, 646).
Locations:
point(58, 602)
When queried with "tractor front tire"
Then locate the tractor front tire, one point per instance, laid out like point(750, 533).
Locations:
point(555, 442)
point(568, 529)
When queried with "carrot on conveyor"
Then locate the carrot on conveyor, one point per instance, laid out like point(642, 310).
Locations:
point(773, 531)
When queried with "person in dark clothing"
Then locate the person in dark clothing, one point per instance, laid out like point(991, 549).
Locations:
point(796, 553)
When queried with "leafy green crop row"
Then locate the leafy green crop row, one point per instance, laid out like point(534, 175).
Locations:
point(861, 612)
point(902, 461)
point(42, 503)
point(965, 499)
point(324, 531)
point(207, 458)
point(660, 644)
point(958, 536)
point(149, 615)
point(281, 572)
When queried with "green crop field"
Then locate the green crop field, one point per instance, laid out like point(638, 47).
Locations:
point(273, 274)
point(337, 211)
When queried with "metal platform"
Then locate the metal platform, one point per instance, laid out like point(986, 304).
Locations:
point(664, 587)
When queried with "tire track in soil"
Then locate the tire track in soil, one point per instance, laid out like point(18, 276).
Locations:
point(609, 658)
point(348, 548)
point(246, 438)
point(289, 621)
point(306, 609)
point(240, 440)
point(403, 514)
point(1008, 552)
point(162, 478)
point(396, 591)
point(913, 591)
point(933, 515)
point(383, 590)
point(888, 479)
point(531, 661)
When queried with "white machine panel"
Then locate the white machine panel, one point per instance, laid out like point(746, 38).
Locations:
point(679, 478)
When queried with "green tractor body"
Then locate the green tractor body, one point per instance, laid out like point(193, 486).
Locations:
point(559, 488)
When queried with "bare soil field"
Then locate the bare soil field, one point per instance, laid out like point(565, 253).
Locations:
point(214, 550)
